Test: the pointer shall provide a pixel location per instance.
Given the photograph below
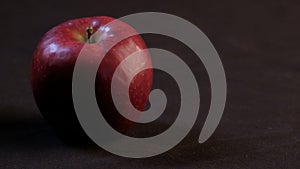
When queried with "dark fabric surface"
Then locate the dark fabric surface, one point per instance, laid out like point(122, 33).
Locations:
point(258, 42)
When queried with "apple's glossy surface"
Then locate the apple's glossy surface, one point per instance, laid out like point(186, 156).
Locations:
point(52, 68)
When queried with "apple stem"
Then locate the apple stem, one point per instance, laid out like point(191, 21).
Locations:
point(89, 31)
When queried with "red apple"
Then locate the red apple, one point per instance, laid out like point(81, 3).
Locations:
point(53, 64)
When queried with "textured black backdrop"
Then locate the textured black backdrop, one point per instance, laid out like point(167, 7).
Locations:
point(258, 42)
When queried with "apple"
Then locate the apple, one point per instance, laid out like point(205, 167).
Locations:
point(52, 69)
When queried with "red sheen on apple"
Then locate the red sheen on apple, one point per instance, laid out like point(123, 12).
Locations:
point(52, 69)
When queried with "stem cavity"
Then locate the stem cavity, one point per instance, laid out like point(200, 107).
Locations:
point(89, 32)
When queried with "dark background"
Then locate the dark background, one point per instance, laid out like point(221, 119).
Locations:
point(258, 42)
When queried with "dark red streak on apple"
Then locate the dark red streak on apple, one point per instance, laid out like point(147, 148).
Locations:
point(53, 64)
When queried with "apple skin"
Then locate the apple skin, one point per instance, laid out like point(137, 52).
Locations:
point(52, 69)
